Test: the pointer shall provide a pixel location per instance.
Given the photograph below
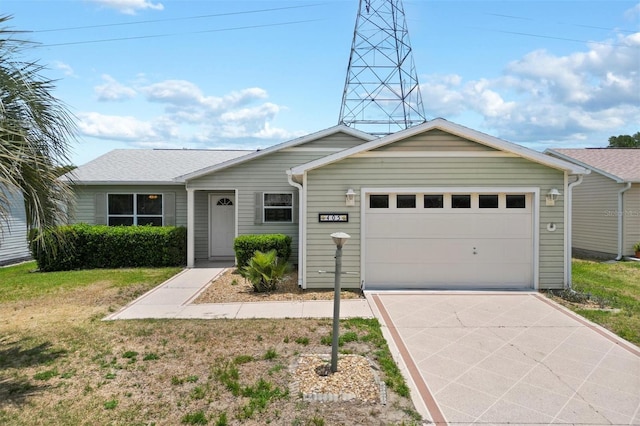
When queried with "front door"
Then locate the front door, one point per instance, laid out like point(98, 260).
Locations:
point(222, 227)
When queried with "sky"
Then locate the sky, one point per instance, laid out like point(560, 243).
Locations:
point(249, 74)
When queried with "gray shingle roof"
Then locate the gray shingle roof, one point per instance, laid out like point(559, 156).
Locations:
point(623, 163)
point(148, 165)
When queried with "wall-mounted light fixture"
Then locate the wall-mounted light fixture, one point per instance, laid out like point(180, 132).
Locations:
point(351, 197)
point(552, 196)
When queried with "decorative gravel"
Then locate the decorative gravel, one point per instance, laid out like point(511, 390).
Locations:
point(356, 378)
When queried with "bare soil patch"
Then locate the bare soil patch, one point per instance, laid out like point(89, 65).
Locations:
point(231, 287)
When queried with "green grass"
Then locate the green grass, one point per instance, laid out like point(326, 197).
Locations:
point(368, 330)
point(22, 282)
point(59, 361)
point(616, 285)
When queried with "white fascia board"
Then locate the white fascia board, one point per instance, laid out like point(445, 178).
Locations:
point(570, 159)
point(341, 128)
point(452, 128)
point(120, 183)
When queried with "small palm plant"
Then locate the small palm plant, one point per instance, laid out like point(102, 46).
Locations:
point(264, 271)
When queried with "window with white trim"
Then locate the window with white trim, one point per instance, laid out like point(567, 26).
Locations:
point(135, 209)
point(277, 207)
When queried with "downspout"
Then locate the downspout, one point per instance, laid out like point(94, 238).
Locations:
point(569, 229)
point(301, 204)
point(621, 221)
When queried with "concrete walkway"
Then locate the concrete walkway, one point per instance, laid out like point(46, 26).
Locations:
point(173, 299)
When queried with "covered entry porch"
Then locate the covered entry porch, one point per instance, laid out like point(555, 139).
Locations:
point(212, 225)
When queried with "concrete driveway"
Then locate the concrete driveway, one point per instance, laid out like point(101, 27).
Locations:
point(508, 358)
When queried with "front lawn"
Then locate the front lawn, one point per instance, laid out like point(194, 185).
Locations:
point(22, 282)
point(608, 294)
point(60, 364)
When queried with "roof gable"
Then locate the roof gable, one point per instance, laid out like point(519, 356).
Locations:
point(619, 164)
point(452, 129)
point(434, 140)
point(275, 148)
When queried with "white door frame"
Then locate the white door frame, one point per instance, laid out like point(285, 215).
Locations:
point(535, 205)
point(217, 193)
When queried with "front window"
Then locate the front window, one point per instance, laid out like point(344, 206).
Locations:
point(278, 207)
point(135, 209)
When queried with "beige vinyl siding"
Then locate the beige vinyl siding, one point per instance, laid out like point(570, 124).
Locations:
point(326, 187)
point(338, 140)
point(265, 174)
point(595, 221)
point(85, 199)
point(13, 230)
point(631, 224)
point(435, 140)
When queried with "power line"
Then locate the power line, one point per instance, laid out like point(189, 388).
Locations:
point(152, 21)
point(552, 37)
point(594, 27)
point(177, 34)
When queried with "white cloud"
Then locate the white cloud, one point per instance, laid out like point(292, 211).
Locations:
point(65, 68)
point(175, 92)
point(129, 7)
point(111, 90)
point(183, 115)
point(633, 13)
point(542, 96)
point(124, 128)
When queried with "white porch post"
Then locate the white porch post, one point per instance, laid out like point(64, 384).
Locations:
point(191, 258)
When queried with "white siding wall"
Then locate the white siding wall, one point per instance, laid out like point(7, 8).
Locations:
point(595, 220)
point(631, 218)
point(13, 231)
point(326, 188)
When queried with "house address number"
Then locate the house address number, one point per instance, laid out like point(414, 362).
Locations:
point(333, 217)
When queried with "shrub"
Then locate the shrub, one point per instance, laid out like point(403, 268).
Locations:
point(264, 271)
point(246, 245)
point(84, 246)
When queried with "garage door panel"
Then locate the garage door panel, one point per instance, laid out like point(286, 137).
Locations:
point(512, 274)
point(504, 250)
point(414, 225)
point(449, 248)
point(500, 226)
point(417, 250)
point(420, 274)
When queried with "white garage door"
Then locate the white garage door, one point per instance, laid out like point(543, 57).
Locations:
point(448, 240)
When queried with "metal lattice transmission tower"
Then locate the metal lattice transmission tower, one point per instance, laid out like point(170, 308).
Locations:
point(381, 93)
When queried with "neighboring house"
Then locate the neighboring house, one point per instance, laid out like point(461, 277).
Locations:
point(606, 205)
point(438, 205)
point(13, 230)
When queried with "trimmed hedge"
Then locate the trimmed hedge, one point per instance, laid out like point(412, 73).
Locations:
point(84, 246)
point(246, 245)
